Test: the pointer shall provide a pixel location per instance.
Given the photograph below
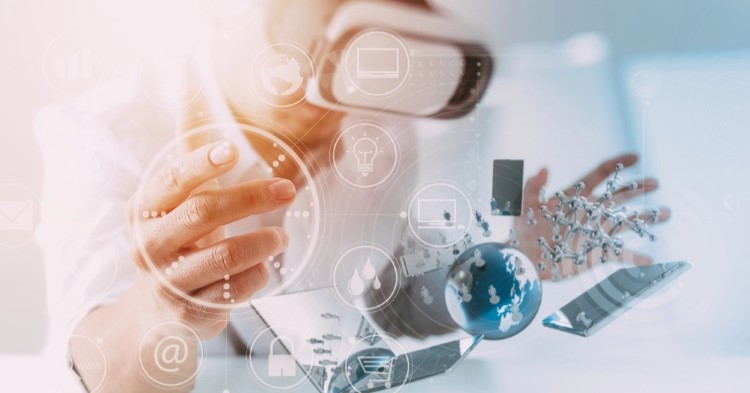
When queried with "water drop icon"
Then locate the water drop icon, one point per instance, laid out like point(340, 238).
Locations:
point(376, 284)
point(368, 272)
point(356, 285)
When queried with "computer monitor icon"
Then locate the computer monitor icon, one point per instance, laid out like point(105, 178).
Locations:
point(431, 213)
point(378, 63)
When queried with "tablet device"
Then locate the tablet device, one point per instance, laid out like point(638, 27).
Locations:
point(607, 300)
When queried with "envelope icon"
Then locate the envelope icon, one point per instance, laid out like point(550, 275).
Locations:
point(16, 215)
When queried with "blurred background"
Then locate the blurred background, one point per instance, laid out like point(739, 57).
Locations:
point(668, 79)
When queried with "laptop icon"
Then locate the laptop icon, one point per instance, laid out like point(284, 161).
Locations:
point(378, 63)
point(436, 213)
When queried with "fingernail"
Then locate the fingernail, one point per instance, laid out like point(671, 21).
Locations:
point(284, 236)
point(282, 189)
point(222, 154)
point(651, 183)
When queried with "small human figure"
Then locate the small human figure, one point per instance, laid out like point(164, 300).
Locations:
point(493, 207)
point(556, 276)
point(486, 229)
point(512, 238)
point(556, 237)
point(530, 216)
point(478, 217)
point(516, 315)
point(426, 297)
point(465, 294)
point(506, 209)
point(442, 238)
point(448, 218)
point(520, 270)
point(494, 299)
point(405, 245)
point(478, 258)
point(582, 318)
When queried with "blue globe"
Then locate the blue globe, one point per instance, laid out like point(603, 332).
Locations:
point(493, 290)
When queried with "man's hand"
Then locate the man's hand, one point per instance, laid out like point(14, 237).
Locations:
point(528, 235)
point(177, 220)
point(188, 228)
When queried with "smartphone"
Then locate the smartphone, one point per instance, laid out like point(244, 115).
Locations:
point(610, 298)
point(507, 187)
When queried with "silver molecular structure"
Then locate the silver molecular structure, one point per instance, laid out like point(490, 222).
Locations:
point(597, 223)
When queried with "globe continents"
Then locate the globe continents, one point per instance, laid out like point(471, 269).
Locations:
point(493, 290)
point(282, 75)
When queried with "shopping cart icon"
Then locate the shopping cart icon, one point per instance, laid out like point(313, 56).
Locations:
point(380, 369)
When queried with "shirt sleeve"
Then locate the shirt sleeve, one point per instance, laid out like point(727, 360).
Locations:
point(83, 230)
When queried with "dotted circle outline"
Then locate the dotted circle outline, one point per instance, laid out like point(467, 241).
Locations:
point(306, 258)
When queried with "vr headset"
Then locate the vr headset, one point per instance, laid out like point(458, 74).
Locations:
point(385, 57)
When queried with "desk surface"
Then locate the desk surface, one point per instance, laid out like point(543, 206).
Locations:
point(639, 352)
point(488, 375)
point(692, 374)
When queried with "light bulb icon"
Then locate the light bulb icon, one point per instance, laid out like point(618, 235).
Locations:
point(365, 150)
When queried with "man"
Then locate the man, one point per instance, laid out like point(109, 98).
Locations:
point(215, 234)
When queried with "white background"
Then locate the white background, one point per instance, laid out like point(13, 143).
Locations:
point(673, 28)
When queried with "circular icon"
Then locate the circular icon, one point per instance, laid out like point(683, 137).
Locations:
point(439, 215)
point(167, 362)
point(645, 84)
point(369, 367)
point(276, 352)
point(70, 64)
point(229, 16)
point(279, 72)
point(93, 363)
point(19, 214)
point(365, 277)
point(377, 62)
point(168, 81)
point(370, 155)
point(287, 271)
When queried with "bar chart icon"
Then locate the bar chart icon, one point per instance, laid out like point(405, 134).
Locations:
point(75, 65)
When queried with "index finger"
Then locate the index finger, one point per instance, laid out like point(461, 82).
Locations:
point(602, 172)
point(177, 180)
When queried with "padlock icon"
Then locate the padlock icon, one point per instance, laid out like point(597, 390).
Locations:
point(281, 365)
